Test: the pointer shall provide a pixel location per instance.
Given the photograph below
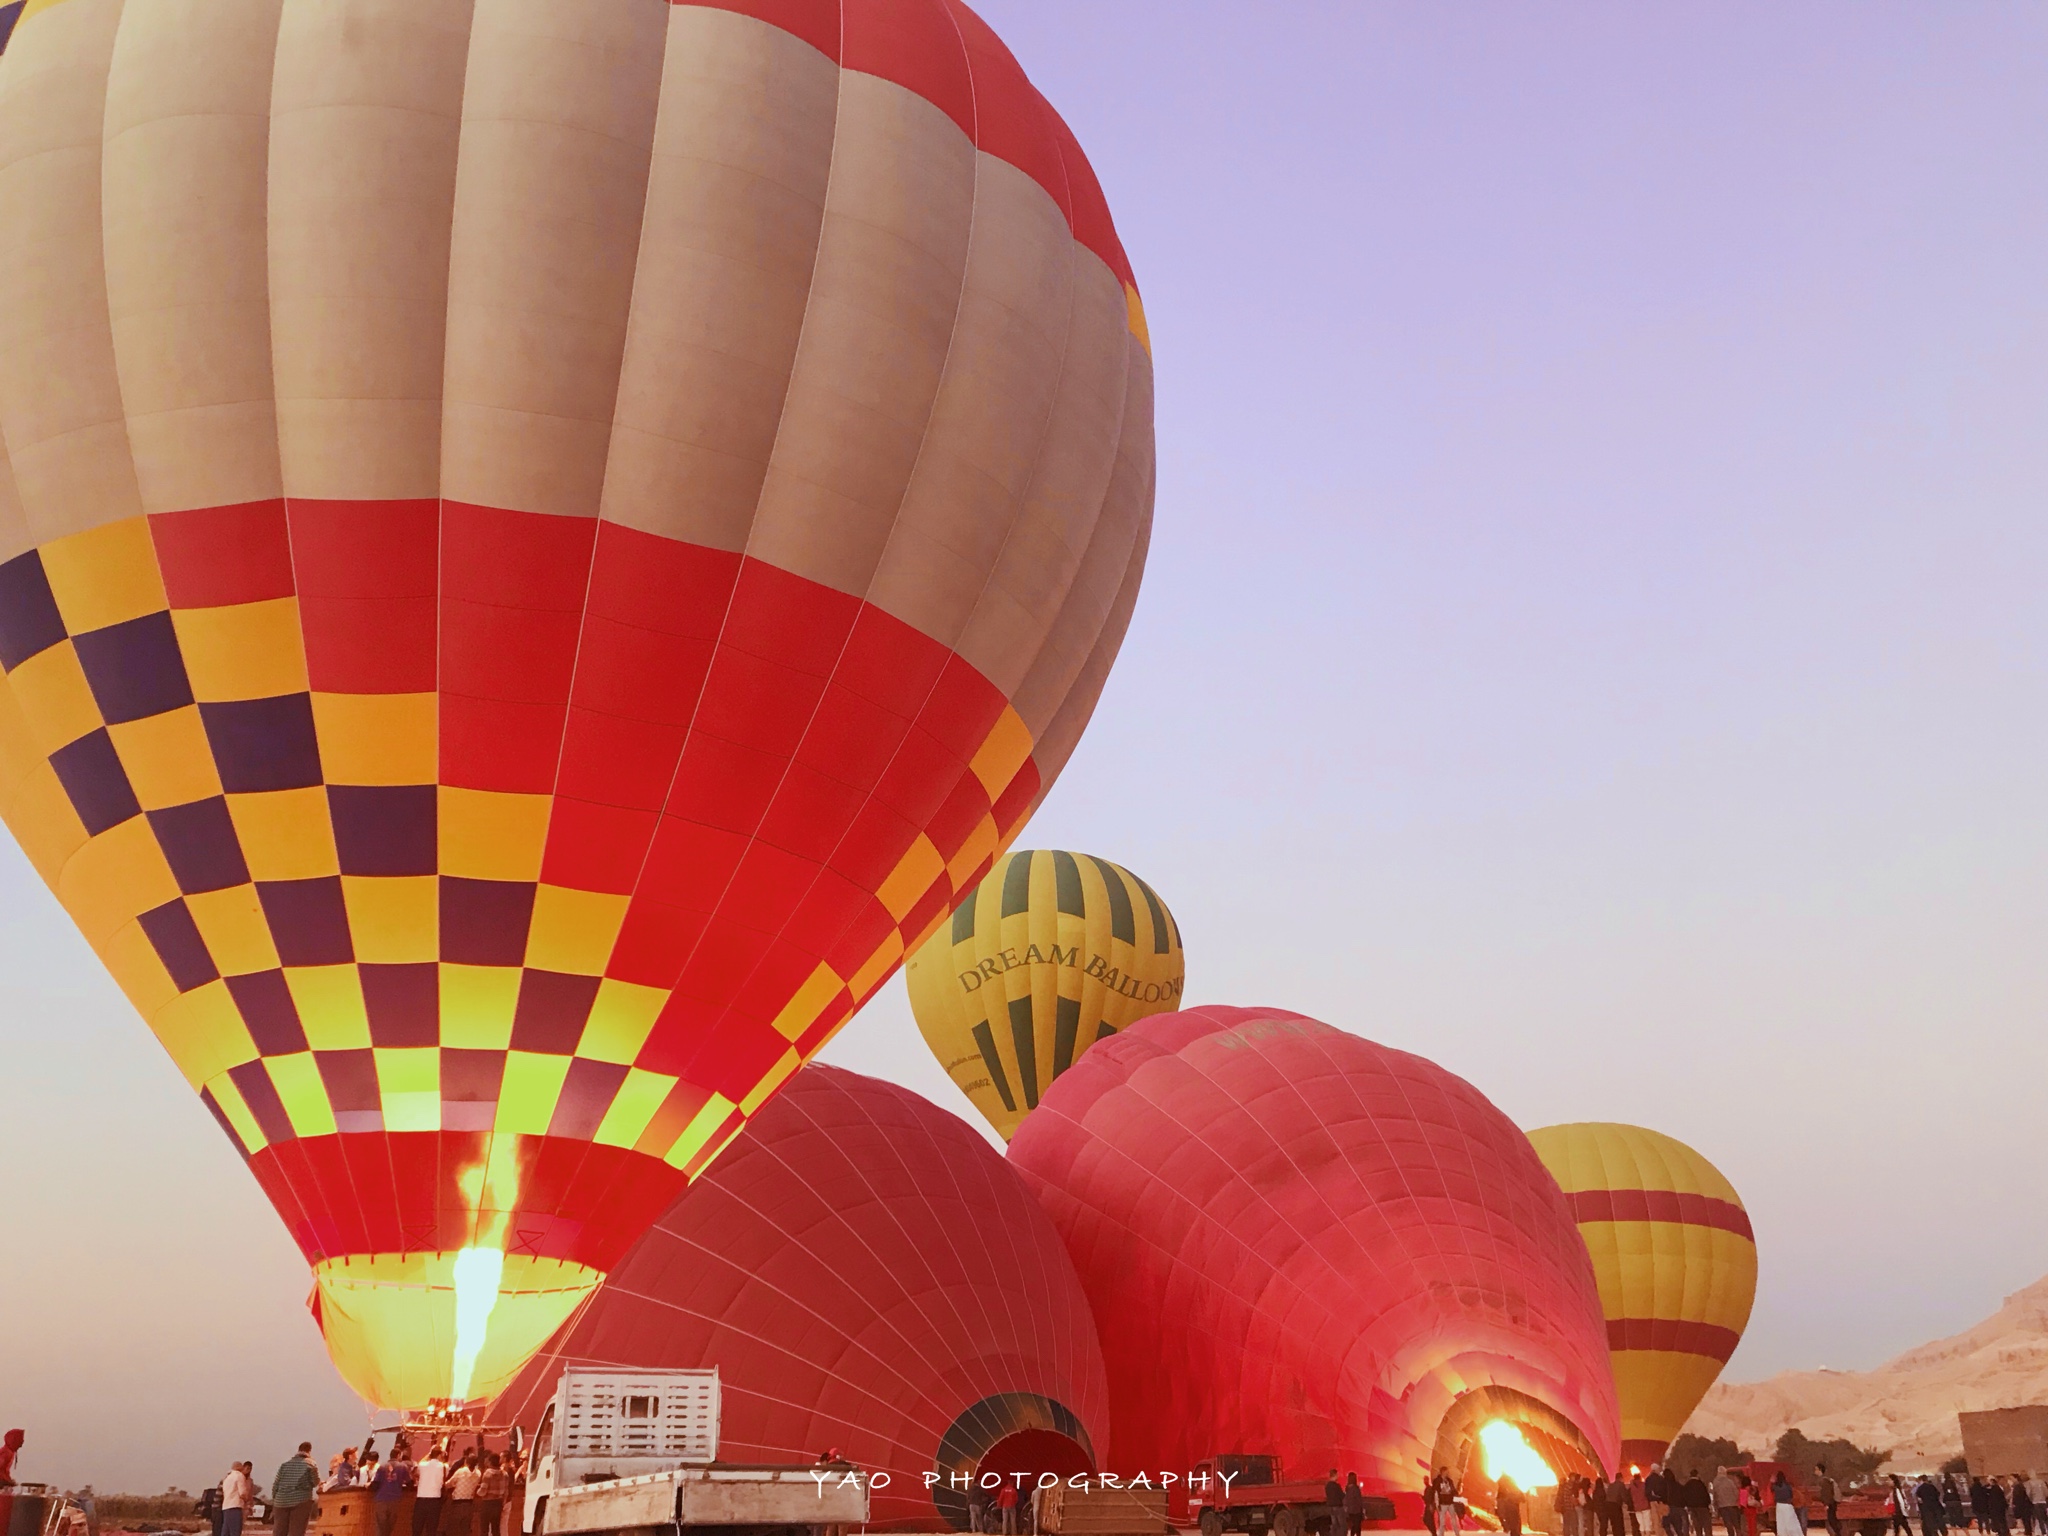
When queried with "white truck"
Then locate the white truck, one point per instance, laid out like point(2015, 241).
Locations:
point(636, 1453)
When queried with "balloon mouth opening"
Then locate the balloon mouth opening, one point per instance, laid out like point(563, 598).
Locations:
point(1506, 1452)
point(409, 1330)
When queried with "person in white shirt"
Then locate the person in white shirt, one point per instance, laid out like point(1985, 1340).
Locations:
point(426, 1508)
point(237, 1493)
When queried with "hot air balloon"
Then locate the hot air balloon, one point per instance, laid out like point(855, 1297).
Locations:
point(1051, 953)
point(544, 544)
point(1676, 1258)
point(866, 1272)
point(1299, 1241)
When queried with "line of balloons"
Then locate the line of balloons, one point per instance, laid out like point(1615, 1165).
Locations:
point(1056, 951)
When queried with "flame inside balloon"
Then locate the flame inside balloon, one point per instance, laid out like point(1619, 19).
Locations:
point(478, 1273)
point(1509, 1455)
point(492, 1189)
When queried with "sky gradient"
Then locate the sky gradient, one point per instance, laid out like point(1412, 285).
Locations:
point(1593, 638)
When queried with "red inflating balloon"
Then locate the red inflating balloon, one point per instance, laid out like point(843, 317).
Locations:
point(1298, 1242)
point(867, 1274)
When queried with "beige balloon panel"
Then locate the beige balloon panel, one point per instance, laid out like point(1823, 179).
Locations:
point(1080, 980)
point(664, 264)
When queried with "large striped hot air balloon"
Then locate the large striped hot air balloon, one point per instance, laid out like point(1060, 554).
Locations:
point(1052, 952)
point(543, 545)
point(1676, 1260)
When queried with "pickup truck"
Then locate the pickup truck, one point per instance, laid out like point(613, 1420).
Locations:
point(636, 1452)
point(1245, 1493)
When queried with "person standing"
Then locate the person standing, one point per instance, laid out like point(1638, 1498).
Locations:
point(1698, 1504)
point(491, 1489)
point(428, 1479)
point(1785, 1507)
point(1653, 1490)
point(388, 1484)
point(1896, 1505)
point(1507, 1506)
point(1997, 1508)
point(235, 1495)
point(1447, 1522)
point(291, 1493)
point(10, 1452)
point(1354, 1505)
point(1333, 1500)
point(1830, 1497)
point(458, 1499)
point(2023, 1505)
point(1006, 1507)
point(1727, 1494)
point(1933, 1519)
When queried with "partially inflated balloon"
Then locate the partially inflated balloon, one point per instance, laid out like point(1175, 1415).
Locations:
point(1293, 1238)
point(544, 544)
point(1051, 953)
point(1676, 1261)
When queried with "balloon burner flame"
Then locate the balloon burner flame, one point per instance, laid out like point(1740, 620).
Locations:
point(1507, 1454)
point(492, 1189)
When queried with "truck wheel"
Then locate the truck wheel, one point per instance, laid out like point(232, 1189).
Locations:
point(1211, 1523)
point(1287, 1521)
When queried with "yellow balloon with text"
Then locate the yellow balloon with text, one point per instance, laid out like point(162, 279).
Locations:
point(1051, 953)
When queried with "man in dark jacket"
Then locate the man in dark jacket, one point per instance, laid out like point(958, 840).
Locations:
point(1928, 1497)
point(1333, 1496)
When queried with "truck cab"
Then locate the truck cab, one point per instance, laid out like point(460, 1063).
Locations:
point(602, 1426)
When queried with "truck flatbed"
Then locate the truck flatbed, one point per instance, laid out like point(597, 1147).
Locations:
point(722, 1494)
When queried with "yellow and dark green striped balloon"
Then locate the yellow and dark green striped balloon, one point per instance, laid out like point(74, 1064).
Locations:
point(1051, 953)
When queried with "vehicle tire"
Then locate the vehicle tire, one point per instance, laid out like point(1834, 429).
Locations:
point(1211, 1523)
point(1287, 1521)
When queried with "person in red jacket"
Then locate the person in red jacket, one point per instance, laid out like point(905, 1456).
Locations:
point(10, 1448)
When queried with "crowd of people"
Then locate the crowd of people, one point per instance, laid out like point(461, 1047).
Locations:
point(1661, 1503)
point(476, 1493)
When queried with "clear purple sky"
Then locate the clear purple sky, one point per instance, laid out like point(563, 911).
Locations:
point(1595, 637)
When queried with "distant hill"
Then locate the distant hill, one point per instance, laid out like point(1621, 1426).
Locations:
point(1907, 1406)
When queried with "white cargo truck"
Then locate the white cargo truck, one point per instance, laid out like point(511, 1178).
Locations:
point(636, 1452)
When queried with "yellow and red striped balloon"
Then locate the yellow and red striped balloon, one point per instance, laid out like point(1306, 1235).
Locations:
point(544, 545)
point(1676, 1261)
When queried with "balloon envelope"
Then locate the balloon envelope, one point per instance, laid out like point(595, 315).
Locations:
point(867, 1274)
point(543, 545)
point(1053, 952)
point(1676, 1259)
point(1299, 1242)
